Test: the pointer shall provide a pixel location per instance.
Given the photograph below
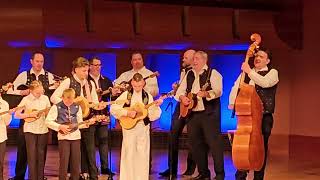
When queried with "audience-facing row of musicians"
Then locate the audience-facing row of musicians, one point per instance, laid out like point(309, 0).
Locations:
point(76, 107)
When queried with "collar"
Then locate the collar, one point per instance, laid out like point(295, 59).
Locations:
point(83, 82)
point(94, 77)
point(140, 70)
point(32, 97)
point(263, 69)
point(41, 72)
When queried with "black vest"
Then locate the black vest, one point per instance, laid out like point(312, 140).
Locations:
point(145, 100)
point(267, 95)
point(212, 105)
point(44, 79)
point(74, 84)
point(104, 83)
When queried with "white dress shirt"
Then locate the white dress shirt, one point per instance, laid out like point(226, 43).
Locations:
point(30, 102)
point(52, 124)
point(151, 83)
point(266, 81)
point(96, 80)
point(216, 85)
point(117, 110)
point(56, 96)
point(4, 120)
point(22, 80)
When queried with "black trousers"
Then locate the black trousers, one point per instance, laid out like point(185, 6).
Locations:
point(205, 132)
point(36, 151)
point(88, 152)
point(2, 154)
point(101, 135)
point(69, 151)
point(177, 126)
point(267, 124)
point(21, 163)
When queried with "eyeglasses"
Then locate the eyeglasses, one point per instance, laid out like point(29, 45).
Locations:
point(96, 65)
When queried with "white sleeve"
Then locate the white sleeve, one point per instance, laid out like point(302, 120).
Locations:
point(20, 80)
point(117, 110)
point(182, 88)
point(266, 81)
point(56, 96)
point(94, 94)
point(216, 85)
point(234, 91)
point(154, 112)
point(51, 118)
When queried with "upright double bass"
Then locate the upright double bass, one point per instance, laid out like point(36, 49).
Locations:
point(248, 147)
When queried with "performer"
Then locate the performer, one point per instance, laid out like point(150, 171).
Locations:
point(5, 120)
point(138, 67)
point(86, 89)
point(151, 83)
point(36, 132)
point(136, 141)
point(101, 129)
point(204, 121)
point(177, 126)
point(24, 79)
point(66, 111)
point(265, 79)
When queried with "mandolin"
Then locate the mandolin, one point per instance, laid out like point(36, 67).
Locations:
point(39, 114)
point(142, 112)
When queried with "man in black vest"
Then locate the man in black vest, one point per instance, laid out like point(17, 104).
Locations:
point(204, 120)
point(101, 130)
point(86, 88)
point(265, 79)
point(20, 87)
point(177, 126)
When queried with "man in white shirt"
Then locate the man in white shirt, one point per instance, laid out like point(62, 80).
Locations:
point(136, 141)
point(204, 120)
point(265, 79)
point(177, 125)
point(5, 120)
point(20, 87)
point(138, 67)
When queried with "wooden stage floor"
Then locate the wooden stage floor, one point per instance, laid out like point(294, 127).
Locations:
point(280, 166)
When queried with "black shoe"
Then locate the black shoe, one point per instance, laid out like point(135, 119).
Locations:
point(189, 172)
point(45, 178)
point(107, 171)
point(166, 173)
point(202, 177)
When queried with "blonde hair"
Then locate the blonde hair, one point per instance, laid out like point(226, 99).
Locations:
point(203, 54)
point(69, 93)
point(79, 62)
point(35, 84)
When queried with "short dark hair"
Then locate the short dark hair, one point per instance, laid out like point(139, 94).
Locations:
point(34, 54)
point(267, 51)
point(137, 77)
point(93, 58)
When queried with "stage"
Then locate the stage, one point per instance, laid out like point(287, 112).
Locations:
point(281, 166)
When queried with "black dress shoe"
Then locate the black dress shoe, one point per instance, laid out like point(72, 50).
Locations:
point(188, 172)
point(202, 177)
point(107, 171)
point(166, 173)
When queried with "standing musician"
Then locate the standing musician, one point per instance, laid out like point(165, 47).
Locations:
point(24, 79)
point(204, 121)
point(101, 132)
point(5, 120)
point(84, 88)
point(265, 79)
point(136, 141)
point(35, 132)
point(138, 67)
point(151, 83)
point(177, 126)
point(66, 111)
